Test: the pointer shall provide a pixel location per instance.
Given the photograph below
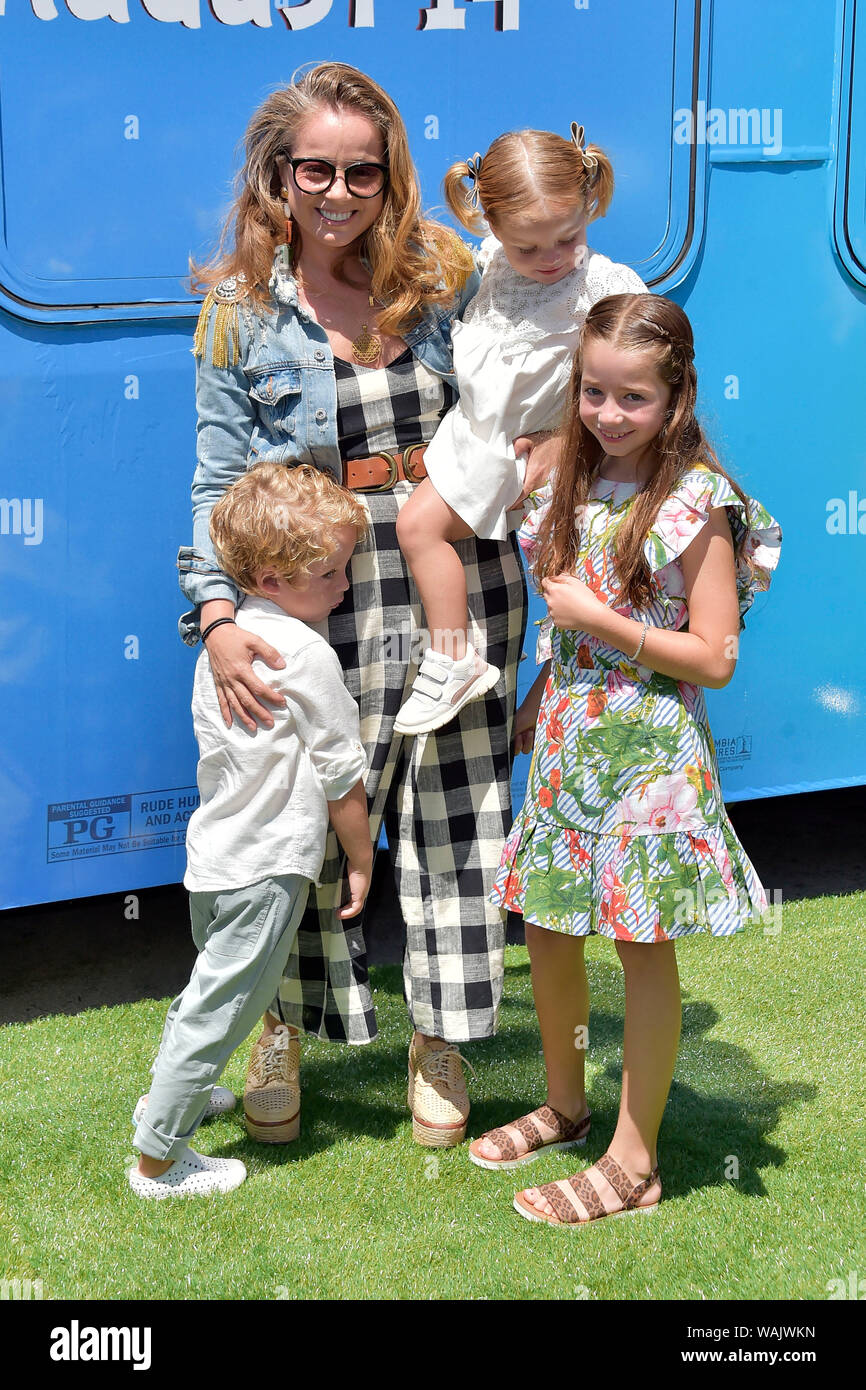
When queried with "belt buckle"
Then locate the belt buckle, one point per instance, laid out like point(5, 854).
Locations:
point(408, 454)
point(393, 473)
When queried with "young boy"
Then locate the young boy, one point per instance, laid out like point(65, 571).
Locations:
point(257, 840)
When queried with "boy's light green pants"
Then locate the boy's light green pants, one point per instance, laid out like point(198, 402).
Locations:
point(244, 938)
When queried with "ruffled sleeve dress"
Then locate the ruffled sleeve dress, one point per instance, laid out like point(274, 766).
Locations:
point(512, 358)
point(623, 830)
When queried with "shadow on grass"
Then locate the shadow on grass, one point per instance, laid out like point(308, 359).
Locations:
point(722, 1105)
point(721, 1111)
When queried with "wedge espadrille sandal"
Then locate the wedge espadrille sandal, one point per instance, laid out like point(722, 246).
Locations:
point(272, 1094)
point(437, 1096)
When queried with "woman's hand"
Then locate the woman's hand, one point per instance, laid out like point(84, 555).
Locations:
point(231, 651)
point(542, 452)
point(526, 717)
point(525, 721)
point(571, 603)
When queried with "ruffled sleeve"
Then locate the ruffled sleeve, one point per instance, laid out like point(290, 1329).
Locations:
point(683, 514)
point(604, 277)
point(536, 506)
point(527, 538)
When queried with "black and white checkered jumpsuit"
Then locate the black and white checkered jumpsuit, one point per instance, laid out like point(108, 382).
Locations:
point(444, 798)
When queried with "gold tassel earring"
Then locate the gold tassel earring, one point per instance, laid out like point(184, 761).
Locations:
point(284, 194)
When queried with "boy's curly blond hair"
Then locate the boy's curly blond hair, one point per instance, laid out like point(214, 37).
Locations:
point(284, 517)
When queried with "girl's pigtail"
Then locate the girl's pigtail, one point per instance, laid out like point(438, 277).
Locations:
point(599, 184)
point(459, 198)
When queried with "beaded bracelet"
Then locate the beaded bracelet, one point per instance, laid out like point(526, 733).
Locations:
point(218, 622)
point(641, 642)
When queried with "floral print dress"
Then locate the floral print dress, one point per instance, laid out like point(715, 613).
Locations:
point(623, 830)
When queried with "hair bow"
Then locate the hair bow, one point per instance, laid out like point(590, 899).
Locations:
point(473, 169)
point(577, 137)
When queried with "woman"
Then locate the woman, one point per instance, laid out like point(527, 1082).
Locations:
point(325, 339)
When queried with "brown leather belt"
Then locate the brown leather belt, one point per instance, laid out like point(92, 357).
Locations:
point(380, 472)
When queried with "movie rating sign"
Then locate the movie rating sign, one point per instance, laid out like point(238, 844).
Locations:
point(119, 824)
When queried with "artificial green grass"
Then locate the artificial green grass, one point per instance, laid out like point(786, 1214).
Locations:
point(769, 1084)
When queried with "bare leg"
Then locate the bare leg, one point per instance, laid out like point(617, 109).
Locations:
point(424, 1040)
point(561, 993)
point(270, 1024)
point(653, 1016)
point(426, 528)
point(153, 1167)
point(653, 1013)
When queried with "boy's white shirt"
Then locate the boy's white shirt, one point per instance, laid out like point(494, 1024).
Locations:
point(264, 796)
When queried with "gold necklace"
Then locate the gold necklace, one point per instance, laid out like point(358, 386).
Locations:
point(366, 348)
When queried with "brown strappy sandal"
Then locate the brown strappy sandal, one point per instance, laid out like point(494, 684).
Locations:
point(567, 1134)
point(628, 1192)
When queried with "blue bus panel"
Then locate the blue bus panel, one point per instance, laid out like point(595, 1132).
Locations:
point(738, 138)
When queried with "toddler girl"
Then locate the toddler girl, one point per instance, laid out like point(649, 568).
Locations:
point(512, 358)
point(648, 555)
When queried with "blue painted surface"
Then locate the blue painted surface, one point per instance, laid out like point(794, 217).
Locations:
point(763, 241)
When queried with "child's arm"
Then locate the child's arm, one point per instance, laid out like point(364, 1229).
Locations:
point(542, 451)
point(349, 819)
point(327, 722)
point(526, 717)
point(706, 654)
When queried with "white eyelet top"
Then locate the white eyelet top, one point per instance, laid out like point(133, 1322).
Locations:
point(512, 356)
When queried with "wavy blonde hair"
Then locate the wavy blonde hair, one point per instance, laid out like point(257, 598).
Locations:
point(414, 262)
point(285, 518)
point(635, 323)
point(524, 167)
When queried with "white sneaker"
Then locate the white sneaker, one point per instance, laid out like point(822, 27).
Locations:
point(441, 688)
point(222, 1100)
point(191, 1175)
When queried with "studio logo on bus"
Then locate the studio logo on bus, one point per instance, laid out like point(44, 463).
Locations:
point(297, 14)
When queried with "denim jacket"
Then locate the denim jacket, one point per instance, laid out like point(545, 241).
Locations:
point(277, 402)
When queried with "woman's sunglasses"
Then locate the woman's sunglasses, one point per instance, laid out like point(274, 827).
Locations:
point(362, 180)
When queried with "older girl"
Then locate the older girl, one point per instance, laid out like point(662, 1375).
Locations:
point(648, 555)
